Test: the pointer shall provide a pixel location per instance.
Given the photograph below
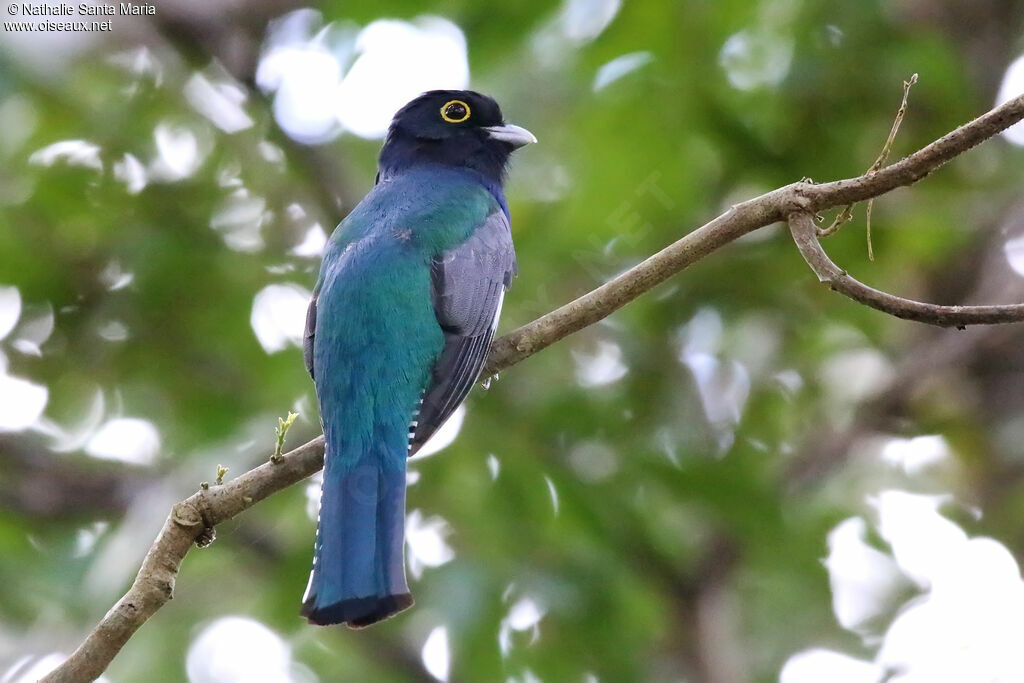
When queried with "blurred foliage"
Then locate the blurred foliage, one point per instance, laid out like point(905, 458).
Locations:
point(675, 545)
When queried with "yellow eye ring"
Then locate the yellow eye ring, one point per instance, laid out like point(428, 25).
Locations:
point(459, 116)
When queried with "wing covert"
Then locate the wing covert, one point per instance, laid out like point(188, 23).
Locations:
point(309, 335)
point(468, 286)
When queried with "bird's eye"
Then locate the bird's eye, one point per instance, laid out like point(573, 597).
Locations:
point(455, 111)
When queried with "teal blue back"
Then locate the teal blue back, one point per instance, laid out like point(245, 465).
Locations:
point(377, 337)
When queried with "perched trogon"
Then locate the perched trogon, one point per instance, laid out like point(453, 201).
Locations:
point(401, 320)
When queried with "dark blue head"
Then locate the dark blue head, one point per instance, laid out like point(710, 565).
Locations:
point(456, 128)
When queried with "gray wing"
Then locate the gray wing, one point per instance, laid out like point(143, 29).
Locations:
point(308, 336)
point(468, 286)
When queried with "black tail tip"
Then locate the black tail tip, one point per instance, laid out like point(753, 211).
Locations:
point(357, 612)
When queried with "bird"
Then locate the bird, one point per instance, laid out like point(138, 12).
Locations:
point(400, 323)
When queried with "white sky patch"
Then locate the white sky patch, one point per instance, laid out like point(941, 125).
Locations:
point(755, 59)
point(71, 152)
point(436, 653)
point(577, 23)
point(703, 334)
point(271, 152)
point(666, 443)
point(304, 71)
point(130, 171)
point(593, 461)
point(229, 175)
point(238, 649)
point(114, 277)
point(126, 439)
point(180, 152)
point(21, 402)
point(292, 31)
point(10, 309)
point(312, 244)
point(426, 538)
point(279, 316)
point(87, 537)
point(445, 435)
point(389, 62)
point(723, 386)
point(917, 455)
point(113, 331)
point(584, 20)
point(1013, 249)
point(922, 540)
point(141, 63)
point(966, 624)
point(295, 212)
point(304, 105)
point(1013, 86)
point(553, 492)
point(865, 582)
point(790, 380)
point(604, 366)
point(35, 328)
point(239, 220)
point(619, 67)
point(397, 61)
point(524, 615)
point(220, 102)
point(755, 340)
point(818, 665)
point(37, 324)
point(969, 628)
point(73, 437)
point(856, 374)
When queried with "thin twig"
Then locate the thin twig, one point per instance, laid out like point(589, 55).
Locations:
point(805, 234)
point(190, 519)
point(885, 155)
point(846, 215)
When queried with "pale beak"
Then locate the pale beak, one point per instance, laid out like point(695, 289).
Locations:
point(513, 135)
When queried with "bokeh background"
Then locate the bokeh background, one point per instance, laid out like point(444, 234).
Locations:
point(739, 477)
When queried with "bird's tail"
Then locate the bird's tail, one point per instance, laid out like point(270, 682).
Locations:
point(358, 575)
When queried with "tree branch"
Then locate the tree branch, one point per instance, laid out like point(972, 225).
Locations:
point(736, 222)
point(190, 521)
point(194, 518)
point(805, 234)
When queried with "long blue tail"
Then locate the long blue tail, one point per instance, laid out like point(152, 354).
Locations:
point(358, 575)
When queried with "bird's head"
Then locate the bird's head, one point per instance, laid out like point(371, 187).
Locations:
point(457, 128)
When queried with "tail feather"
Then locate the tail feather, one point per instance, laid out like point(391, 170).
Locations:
point(358, 575)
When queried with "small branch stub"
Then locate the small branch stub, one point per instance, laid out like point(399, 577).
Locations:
point(206, 537)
